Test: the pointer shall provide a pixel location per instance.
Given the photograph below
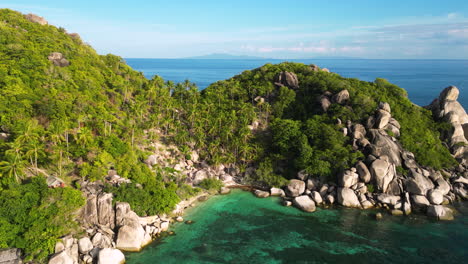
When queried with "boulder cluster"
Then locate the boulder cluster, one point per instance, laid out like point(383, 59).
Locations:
point(194, 169)
point(389, 177)
point(110, 229)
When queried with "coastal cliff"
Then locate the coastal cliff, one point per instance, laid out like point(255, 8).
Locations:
point(86, 139)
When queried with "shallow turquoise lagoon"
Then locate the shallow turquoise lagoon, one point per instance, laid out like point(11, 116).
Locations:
point(240, 228)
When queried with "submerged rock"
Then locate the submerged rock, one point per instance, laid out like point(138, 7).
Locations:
point(261, 194)
point(224, 190)
point(440, 212)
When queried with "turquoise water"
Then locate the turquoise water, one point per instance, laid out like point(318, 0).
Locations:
point(240, 228)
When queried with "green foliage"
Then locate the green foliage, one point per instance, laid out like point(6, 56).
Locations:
point(79, 121)
point(33, 216)
point(153, 197)
point(185, 191)
point(266, 174)
point(211, 184)
point(401, 170)
point(370, 188)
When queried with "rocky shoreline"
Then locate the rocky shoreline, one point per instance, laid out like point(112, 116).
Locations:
point(401, 191)
point(414, 189)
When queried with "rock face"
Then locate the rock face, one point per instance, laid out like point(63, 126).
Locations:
point(440, 212)
point(288, 79)
point(131, 235)
point(105, 210)
point(36, 19)
point(347, 197)
point(383, 145)
point(111, 256)
point(58, 59)
point(383, 172)
point(295, 188)
point(305, 203)
point(10, 256)
point(446, 107)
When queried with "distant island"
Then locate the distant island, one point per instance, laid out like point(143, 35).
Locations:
point(225, 56)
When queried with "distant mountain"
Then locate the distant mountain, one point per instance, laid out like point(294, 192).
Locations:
point(335, 58)
point(224, 56)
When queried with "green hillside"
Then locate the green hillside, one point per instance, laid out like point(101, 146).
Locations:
point(77, 121)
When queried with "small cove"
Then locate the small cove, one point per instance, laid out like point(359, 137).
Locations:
point(240, 228)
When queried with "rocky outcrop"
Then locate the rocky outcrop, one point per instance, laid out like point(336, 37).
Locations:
point(131, 235)
point(10, 256)
point(295, 188)
point(58, 59)
point(383, 145)
point(288, 79)
point(305, 203)
point(36, 19)
point(447, 108)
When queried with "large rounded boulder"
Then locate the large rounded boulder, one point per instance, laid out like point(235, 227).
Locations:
point(295, 188)
point(305, 203)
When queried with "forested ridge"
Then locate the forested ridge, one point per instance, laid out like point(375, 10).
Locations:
point(77, 121)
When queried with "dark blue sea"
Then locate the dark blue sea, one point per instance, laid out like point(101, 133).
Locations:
point(423, 79)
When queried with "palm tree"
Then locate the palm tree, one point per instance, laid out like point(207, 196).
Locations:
point(84, 136)
point(12, 167)
point(35, 150)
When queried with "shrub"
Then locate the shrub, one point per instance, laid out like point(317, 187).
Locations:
point(211, 184)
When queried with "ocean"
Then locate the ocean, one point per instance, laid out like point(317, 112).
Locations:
point(240, 228)
point(423, 79)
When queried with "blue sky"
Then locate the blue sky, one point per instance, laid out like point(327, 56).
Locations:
point(267, 28)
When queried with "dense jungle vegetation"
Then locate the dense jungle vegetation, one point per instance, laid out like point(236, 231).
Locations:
point(76, 122)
